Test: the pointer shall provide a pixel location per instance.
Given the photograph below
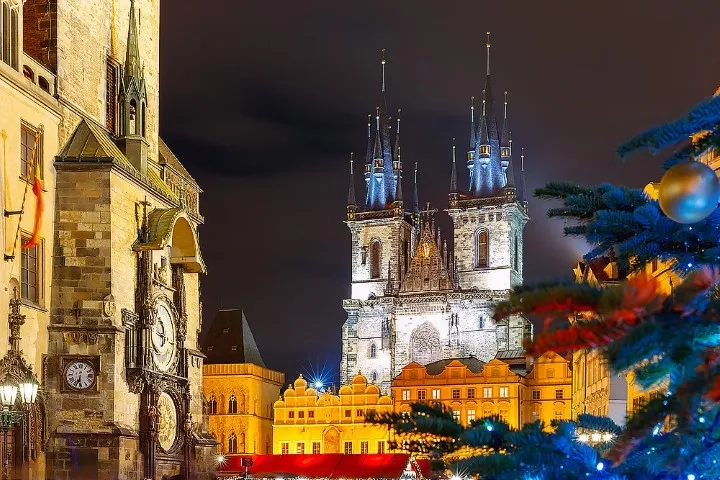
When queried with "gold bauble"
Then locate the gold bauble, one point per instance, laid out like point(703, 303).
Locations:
point(689, 192)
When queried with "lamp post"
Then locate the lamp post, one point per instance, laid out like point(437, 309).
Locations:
point(28, 389)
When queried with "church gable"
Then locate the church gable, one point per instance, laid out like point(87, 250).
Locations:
point(428, 269)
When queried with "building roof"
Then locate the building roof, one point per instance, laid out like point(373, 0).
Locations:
point(473, 364)
point(167, 157)
point(328, 465)
point(230, 340)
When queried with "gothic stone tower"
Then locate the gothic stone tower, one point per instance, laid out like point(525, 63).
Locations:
point(123, 371)
point(432, 303)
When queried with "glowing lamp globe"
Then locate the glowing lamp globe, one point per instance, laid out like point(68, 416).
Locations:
point(8, 393)
point(28, 392)
point(689, 192)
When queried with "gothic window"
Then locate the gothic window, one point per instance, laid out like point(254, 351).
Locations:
point(516, 258)
point(213, 405)
point(232, 443)
point(424, 344)
point(373, 351)
point(232, 404)
point(373, 376)
point(133, 130)
point(9, 36)
point(111, 85)
point(481, 248)
point(375, 252)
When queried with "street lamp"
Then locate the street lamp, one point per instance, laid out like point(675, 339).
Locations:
point(8, 416)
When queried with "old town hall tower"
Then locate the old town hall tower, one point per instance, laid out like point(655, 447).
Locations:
point(412, 297)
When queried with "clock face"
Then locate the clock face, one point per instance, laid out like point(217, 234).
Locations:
point(167, 428)
point(80, 375)
point(163, 338)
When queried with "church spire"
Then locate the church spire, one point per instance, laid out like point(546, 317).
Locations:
point(351, 190)
point(416, 201)
point(473, 132)
point(132, 56)
point(453, 172)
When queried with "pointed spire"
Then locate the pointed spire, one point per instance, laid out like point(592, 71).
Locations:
point(397, 136)
point(132, 57)
point(505, 135)
point(473, 132)
point(377, 149)
point(416, 201)
point(398, 193)
point(369, 151)
point(522, 174)
point(382, 62)
point(351, 190)
point(453, 172)
point(487, 44)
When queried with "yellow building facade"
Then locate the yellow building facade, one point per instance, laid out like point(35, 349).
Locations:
point(239, 389)
point(310, 422)
point(473, 389)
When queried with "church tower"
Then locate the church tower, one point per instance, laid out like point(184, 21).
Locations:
point(489, 218)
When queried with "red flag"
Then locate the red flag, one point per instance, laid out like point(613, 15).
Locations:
point(38, 191)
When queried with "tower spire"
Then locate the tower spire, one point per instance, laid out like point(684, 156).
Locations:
point(473, 133)
point(382, 62)
point(487, 45)
point(351, 190)
point(132, 56)
point(453, 172)
point(416, 202)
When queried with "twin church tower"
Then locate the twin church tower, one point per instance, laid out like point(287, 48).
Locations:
point(413, 299)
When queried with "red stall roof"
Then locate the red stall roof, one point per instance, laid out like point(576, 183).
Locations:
point(329, 465)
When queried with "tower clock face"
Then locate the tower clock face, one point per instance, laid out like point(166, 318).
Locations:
point(167, 428)
point(80, 375)
point(163, 338)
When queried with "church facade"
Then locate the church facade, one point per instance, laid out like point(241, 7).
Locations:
point(413, 298)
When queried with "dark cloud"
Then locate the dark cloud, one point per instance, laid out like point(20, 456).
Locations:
point(263, 101)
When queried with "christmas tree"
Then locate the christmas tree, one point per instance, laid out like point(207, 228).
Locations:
point(669, 342)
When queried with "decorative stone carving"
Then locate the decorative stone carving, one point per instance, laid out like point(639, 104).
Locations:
point(108, 305)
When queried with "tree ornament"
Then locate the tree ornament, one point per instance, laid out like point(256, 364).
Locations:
point(689, 192)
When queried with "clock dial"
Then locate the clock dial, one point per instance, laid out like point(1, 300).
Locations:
point(163, 338)
point(80, 375)
point(167, 427)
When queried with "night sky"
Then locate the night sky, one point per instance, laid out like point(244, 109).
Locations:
point(264, 100)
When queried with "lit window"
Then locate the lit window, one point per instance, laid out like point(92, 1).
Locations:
point(436, 394)
point(300, 448)
point(421, 394)
point(456, 415)
point(503, 392)
point(232, 404)
point(536, 394)
point(348, 448)
point(487, 392)
point(381, 446)
point(284, 448)
point(226, 330)
point(406, 394)
point(30, 271)
point(471, 393)
point(233, 348)
point(470, 416)
point(364, 448)
point(213, 405)
point(559, 394)
point(316, 448)
point(455, 393)
point(481, 248)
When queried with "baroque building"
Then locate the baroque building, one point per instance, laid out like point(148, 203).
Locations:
point(413, 298)
point(307, 421)
point(239, 388)
point(473, 389)
point(105, 302)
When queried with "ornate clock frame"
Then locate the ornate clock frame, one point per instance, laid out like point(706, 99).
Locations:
point(148, 381)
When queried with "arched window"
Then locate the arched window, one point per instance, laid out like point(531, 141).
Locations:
point(213, 405)
point(481, 248)
point(375, 252)
point(44, 84)
point(28, 73)
point(232, 443)
point(242, 442)
point(516, 259)
point(14, 29)
point(373, 377)
point(5, 40)
point(373, 351)
point(133, 130)
point(142, 117)
point(232, 404)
